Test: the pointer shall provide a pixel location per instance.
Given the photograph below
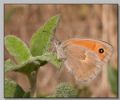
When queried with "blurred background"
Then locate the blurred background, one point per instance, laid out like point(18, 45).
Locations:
point(77, 20)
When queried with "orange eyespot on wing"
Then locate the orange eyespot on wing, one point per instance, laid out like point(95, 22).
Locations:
point(100, 51)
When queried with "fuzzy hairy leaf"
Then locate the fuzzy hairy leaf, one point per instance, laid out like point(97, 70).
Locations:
point(52, 58)
point(17, 48)
point(40, 41)
point(9, 65)
point(27, 67)
point(12, 90)
point(35, 62)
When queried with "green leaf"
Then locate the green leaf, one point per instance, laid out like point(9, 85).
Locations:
point(27, 67)
point(113, 79)
point(65, 90)
point(17, 48)
point(40, 41)
point(34, 63)
point(12, 89)
point(52, 58)
point(9, 65)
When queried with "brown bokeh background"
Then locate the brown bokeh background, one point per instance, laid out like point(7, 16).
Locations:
point(82, 21)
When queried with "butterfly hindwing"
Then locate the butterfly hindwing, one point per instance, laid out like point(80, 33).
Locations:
point(78, 61)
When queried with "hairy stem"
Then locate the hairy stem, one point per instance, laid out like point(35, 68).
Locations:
point(33, 80)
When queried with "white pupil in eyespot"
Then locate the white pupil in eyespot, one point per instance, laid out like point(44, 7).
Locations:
point(101, 50)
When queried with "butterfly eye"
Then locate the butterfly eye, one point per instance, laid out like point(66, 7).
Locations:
point(101, 50)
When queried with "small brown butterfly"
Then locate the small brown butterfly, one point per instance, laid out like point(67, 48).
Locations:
point(84, 58)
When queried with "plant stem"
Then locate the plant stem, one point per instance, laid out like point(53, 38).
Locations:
point(33, 80)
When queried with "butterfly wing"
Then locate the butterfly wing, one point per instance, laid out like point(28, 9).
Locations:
point(82, 63)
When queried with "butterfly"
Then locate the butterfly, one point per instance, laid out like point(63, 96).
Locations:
point(84, 58)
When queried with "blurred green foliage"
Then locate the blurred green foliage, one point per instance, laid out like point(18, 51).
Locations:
point(12, 89)
point(9, 64)
point(113, 79)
